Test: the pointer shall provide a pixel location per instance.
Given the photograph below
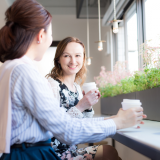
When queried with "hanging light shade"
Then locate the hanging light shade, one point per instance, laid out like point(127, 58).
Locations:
point(115, 27)
point(100, 46)
point(100, 42)
point(88, 61)
point(115, 21)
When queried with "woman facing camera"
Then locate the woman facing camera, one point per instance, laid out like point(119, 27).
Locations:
point(68, 75)
point(69, 71)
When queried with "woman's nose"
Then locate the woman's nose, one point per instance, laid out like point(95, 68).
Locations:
point(73, 60)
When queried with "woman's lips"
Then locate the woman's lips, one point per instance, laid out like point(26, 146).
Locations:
point(72, 67)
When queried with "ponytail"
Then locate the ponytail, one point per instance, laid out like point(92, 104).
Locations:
point(6, 41)
point(24, 19)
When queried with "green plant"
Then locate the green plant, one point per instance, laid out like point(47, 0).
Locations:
point(121, 81)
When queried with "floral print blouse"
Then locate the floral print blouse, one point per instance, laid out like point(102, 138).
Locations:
point(68, 101)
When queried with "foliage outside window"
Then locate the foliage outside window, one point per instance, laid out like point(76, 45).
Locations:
point(122, 81)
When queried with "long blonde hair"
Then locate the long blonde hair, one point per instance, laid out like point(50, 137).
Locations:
point(56, 72)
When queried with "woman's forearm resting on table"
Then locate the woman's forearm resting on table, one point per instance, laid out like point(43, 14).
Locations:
point(40, 102)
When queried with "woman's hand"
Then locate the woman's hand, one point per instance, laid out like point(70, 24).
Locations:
point(128, 118)
point(111, 117)
point(88, 100)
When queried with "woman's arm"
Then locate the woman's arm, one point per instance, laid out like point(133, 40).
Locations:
point(39, 100)
point(88, 113)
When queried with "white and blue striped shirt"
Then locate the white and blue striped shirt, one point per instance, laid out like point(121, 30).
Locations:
point(37, 116)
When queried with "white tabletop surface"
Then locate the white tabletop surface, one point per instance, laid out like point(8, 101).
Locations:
point(148, 133)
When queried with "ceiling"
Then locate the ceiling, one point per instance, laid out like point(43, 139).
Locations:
point(74, 7)
point(58, 3)
point(78, 8)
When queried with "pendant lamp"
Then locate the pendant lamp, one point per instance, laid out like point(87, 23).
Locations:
point(115, 21)
point(100, 42)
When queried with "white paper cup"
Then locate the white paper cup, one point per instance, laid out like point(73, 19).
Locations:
point(129, 103)
point(88, 86)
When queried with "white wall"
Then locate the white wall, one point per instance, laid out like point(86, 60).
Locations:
point(46, 64)
point(3, 6)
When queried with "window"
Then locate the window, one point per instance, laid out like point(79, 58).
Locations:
point(132, 43)
point(152, 13)
point(152, 24)
point(131, 38)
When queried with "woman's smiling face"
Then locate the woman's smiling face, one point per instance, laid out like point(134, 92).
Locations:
point(71, 60)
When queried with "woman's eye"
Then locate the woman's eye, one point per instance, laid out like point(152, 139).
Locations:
point(66, 56)
point(77, 55)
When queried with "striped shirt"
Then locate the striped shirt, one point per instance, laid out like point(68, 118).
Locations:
point(37, 115)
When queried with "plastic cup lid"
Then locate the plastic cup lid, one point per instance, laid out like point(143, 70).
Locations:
point(88, 84)
point(131, 103)
point(131, 100)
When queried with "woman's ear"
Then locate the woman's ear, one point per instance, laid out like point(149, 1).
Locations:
point(40, 36)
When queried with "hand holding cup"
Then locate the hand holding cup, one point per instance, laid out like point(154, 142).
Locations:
point(91, 96)
point(130, 115)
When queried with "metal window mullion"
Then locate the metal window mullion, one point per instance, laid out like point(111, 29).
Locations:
point(126, 39)
point(112, 46)
point(140, 27)
point(144, 20)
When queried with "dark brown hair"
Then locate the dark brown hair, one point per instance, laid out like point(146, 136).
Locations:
point(24, 19)
point(56, 72)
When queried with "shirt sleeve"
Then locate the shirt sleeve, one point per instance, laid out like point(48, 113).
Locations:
point(40, 102)
point(55, 88)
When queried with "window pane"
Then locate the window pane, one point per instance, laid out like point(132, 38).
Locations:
point(132, 43)
point(152, 13)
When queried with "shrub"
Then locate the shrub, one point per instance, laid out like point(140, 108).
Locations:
point(122, 81)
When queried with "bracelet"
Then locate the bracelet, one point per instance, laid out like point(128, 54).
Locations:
point(88, 110)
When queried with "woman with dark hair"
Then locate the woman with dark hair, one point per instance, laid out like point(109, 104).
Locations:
point(29, 113)
point(68, 73)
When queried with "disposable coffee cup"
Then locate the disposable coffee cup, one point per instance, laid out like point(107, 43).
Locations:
point(88, 86)
point(129, 103)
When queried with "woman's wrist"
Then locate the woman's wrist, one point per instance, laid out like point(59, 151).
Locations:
point(119, 122)
point(89, 108)
point(105, 118)
point(79, 108)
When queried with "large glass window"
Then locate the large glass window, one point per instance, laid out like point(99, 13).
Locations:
point(131, 38)
point(132, 43)
point(152, 25)
point(152, 13)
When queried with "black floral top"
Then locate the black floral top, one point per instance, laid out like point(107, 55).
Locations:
point(68, 100)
